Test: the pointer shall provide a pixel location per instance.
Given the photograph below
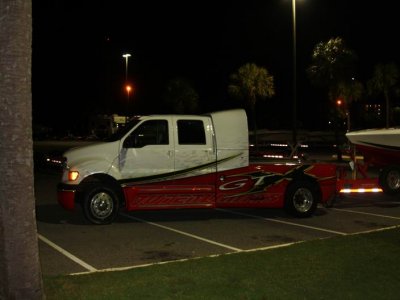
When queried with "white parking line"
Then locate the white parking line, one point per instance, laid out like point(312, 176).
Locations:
point(184, 233)
point(188, 259)
point(67, 254)
point(282, 222)
point(364, 213)
point(376, 230)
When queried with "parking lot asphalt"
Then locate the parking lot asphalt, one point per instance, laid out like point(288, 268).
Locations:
point(68, 244)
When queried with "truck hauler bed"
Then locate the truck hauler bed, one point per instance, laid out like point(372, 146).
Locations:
point(187, 161)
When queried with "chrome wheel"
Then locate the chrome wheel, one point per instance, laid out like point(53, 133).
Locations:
point(100, 202)
point(393, 179)
point(389, 179)
point(101, 205)
point(303, 200)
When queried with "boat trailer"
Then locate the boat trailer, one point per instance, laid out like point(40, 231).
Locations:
point(356, 176)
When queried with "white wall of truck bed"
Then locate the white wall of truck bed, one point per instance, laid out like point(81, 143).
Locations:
point(231, 137)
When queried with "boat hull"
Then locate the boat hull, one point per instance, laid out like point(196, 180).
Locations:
point(380, 147)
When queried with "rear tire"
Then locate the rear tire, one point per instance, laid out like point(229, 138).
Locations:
point(100, 203)
point(389, 180)
point(301, 198)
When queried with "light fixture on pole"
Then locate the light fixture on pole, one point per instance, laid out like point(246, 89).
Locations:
point(128, 90)
point(126, 56)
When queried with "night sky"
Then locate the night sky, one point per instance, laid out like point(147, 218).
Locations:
point(78, 68)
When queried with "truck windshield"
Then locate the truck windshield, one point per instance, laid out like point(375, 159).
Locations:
point(122, 131)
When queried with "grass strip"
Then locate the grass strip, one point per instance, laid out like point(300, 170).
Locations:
point(363, 266)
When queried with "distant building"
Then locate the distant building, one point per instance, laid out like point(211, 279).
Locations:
point(373, 109)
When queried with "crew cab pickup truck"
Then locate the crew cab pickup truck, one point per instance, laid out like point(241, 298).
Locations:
point(187, 161)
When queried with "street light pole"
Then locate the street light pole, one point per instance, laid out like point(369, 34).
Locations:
point(294, 75)
point(126, 56)
point(128, 88)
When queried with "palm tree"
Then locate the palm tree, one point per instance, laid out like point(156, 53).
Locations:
point(20, 274)
point(181, 97)
point(251, 83)
point(385, 78)
point(332, 64)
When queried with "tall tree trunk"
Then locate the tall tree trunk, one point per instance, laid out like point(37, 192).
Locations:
point(20, 273)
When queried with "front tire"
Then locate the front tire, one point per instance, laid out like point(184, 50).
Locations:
point(389, 180)
point(100, 203)
point(301, 198)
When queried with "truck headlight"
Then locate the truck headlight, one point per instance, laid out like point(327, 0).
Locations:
point(73, 175)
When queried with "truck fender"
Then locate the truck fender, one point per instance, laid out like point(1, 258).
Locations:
point(91, 167)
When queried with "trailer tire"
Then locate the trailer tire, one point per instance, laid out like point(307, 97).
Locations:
point(100, 203)
point(389, 180)
point(301, 198)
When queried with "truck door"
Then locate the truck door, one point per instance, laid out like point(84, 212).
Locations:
point(195, 158)
point(147, 153)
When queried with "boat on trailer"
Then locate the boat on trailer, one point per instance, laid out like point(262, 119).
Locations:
point(380, 148)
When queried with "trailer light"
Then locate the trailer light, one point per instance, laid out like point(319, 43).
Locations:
point(73, 175)
point(361, 190)
point(272, 156)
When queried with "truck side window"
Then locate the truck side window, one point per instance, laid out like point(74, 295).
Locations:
point(153, 132)
point(191, 132)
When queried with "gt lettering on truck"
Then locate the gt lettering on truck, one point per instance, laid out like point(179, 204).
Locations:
point(260, 181)
point(234, 185)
